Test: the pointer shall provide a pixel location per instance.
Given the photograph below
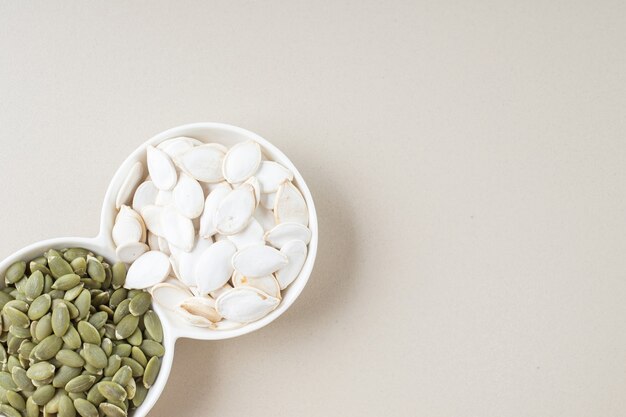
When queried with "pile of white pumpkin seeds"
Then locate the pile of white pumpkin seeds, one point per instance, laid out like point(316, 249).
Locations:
point(74, 341)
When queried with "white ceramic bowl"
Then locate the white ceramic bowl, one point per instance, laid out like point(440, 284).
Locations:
point(173, 327)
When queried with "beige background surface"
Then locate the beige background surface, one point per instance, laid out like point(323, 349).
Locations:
point(467, 160)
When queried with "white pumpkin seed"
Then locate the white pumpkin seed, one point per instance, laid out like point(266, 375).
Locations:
point(145, 195)
point(265, 217)
point(204, 163)
point(286, 232)
point(162, 170)
point(268, 200)
point(195, 320)
point(213, 200)
point(245, 304)
point(201, 306)
point(241, 162)
point(290, 205)
point(251, 235)
point(148, 270)
point(188, 196)
point(153, 241)
point(127, 227)
point(170, 294)
point(235, 211)
point(152, 218)
point(214, 268)
point(271, 175)
point(177, 229)
point(258, 260)
point(129, 185)
point(177, 146)
point(254, 183)
point(296, 252)
point(268, 284)
point(186, 261)
point(129, 252)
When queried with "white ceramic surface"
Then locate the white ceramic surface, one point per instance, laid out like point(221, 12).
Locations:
point(173, 327)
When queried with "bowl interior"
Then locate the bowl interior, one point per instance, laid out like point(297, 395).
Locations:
point(97, 246)
point(227, 135)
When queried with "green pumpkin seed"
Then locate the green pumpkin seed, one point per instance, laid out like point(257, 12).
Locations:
point(60, 319)
point(119, 275)
point(153, 326)
point(39, 307)
point(34, 286)
point(72, 338)
point(80, 383)
point(59, 267)
point(106, 309)
point(123, 350)
point(140, 303)
point(123, 375)
point(112, 391)
point(64, 375)
point(98, 320)
point(4, 298)
point(152, 348)
point(32, 409)
point(40, 371)
point(114, 363)
point(72, 294)
point(56, 294)
point(138, 355)
point(111, 410)
point(74, 253)
point(151, 372)
point(66, 407)
point(136, 338)
point(20, 332)
point(134, 366)
point(37, 267)
point(94, 396)
point(140, 395)
point(18, 305)
point(6, 381)
point(47, 286)
point(9, 411)
point(91, 284)
point(94, 356)
point(70, 358)
point(125, 327)
point(16, 317)
point(44, 327)
point(79, 265)
point(12, 363)
point(43, 394)
point(99, 298)
point(107, 346)
point(95, 269)
point(131, 389)
point(85, 408)
point(16, 401)
point(88, 333)
point(121, 311)
point(66, 282)
point(117, 297)
point(83, 302)
point(15, 272)
point(48, 348)
point(22, 381)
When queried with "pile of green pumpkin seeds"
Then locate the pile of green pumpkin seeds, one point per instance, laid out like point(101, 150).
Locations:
point(73, 340)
